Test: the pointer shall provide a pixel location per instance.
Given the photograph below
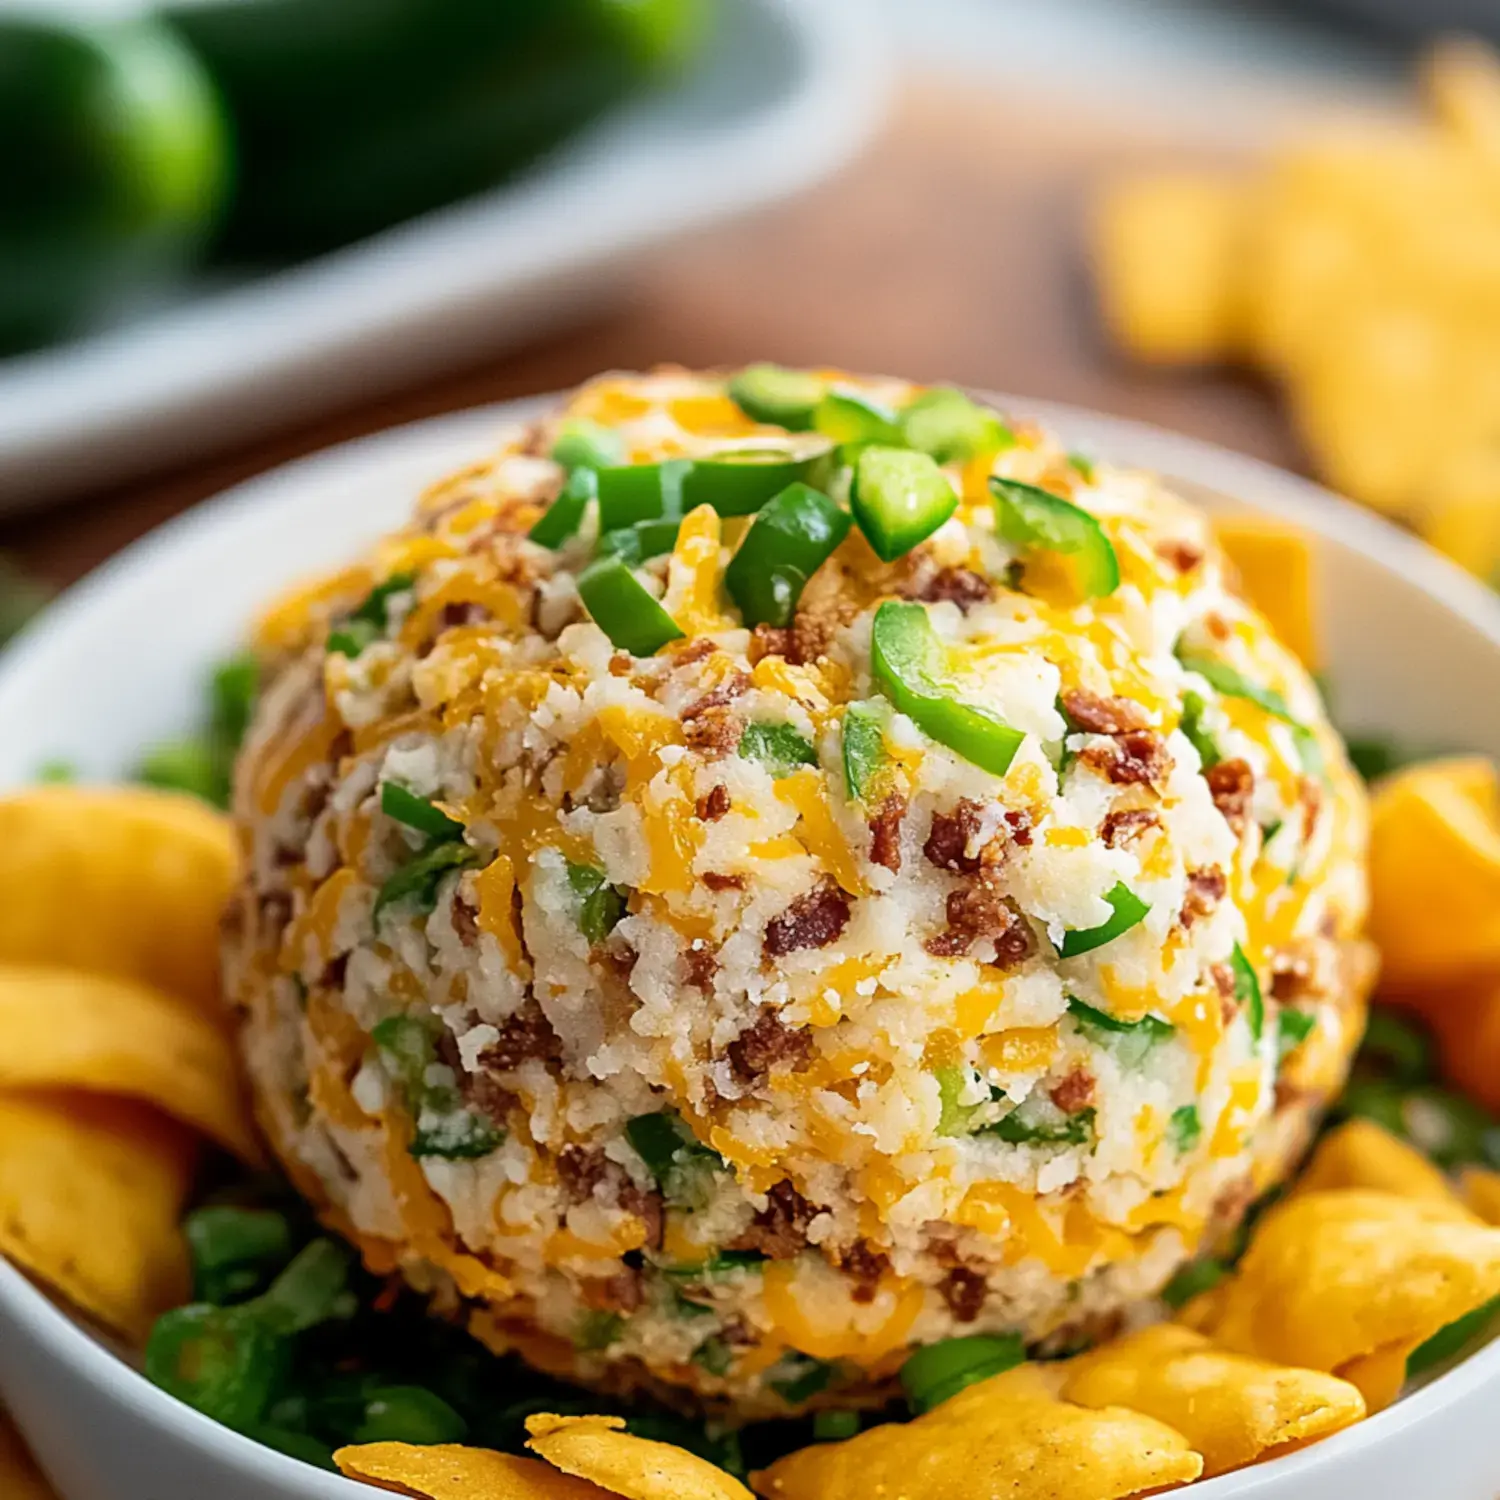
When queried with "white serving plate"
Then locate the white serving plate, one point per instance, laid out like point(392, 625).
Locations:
point(1413, 647)
point(786, 93)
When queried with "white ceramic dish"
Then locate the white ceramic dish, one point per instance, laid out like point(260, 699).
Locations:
point(788, 90)
point(1413, 647)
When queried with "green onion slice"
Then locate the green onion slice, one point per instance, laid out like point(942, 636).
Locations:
point(934, 1373)
point(600, 905)
point(1130, 1040)
point(1194, 706)
point(1127, 911)
point(1247, 991)
point(1072, 1130)
point(374, 608)
point(778, 747)
point(419, 878)
point(402, 804)
point(1184, 1128)
point(906, 660)
point(945, 424)
point(899, 497)
point(564, 516)
point(1234, 684)
point(582, 444)
point(790, 539)
point(1036, 521)
point(1194, 1278)
point(351, 638)
point(781, 397)
point(805, 1378)
point(1293, 1027)
point(864, 749)
point(624, 609)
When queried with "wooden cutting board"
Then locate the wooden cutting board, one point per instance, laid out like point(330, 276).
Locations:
point(953, 250)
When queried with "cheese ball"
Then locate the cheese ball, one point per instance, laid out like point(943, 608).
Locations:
point(767, 872)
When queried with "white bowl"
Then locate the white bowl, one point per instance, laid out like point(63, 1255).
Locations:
point(1413, 650)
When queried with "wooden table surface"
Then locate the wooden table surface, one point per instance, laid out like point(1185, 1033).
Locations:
point(951, 251)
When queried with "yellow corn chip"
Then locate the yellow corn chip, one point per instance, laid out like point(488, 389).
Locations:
point(1360, 1154)
point(1167, 254)
point(1275, 562)
point(449, 1472)
point(1333, 1277)
point(20, 1479)
point(64, 1029)
point(1435, 872)
point(1232, 1408)
point(90, 1193)
point(121, 881)
point(1010, 1436)
point(596, 1449)
point(1481, 1192)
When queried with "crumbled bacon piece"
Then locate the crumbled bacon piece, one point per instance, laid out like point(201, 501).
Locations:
point(811, 921)
point(1019, 823)
point(1181, 554)
point(1205, 889)
point(769, 640)
point(527, 1034)
point(960, 586)
point(765, 1043)
point(735, 685)
point(714, 803)
point(865, 1266)
point(700, 966)
point(1092, 714)
point(465, 922)
point(620, 1293)
point(1120, 827)
point(649, 1207)
point(492, 1099)
point(714, 732)
point(948, 843)
point(580, 1169)
point(964, 1291)
point(717, 882)
point(695, 650)
point(1138, 758)
point(1231, 783)
point(1074, 1092)
point(780, 1228)
point(885, 832)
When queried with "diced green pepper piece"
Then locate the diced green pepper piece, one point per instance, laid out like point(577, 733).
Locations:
point(403, 805)
point(1130, 1040)
point(734, 482)
point(222, 1361)
point(847, 417)
point(582, 444)
point(1072, 1130)
point(233, 690)
point(781, 397)
point(803, 1379)
point(407, 1414)
point(645, 539)
point(714, 1355)
point(624, 609)
point(1194, 706)
point(899, 497)
point(1247, 991)
point(1036, 521)
point(945, 424)
point(460, 1135)
point(192, 766)
point(936, 1372)
point(1293, 1027)
point(234, 1250)
point(641, 492)
point(1184, 1128)
point(1452, 1339)
point(790, 539)
point(420, 877)
point(1127, 910)
point(673, 1156)
point(313, 1289)
point(953, 1118)
point(778, 747)
point(835, 1426)
point(564, 516)
point(351, 638)
point(600, 905)
point(906, 660)
point(1194, 1278)
point(863, 749)
point(375, 608)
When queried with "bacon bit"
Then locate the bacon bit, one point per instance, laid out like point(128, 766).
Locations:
point(465, 922)
point(695, 651)
point(1019, 823)
point(1310, 795)
point(1291, 975)
point(1075, 1092)
point(765, 1043)
point(1120, 827)
point(483, 1092)
point(332, 978)
point(580, 1169)
point(716, 882)
point(1231, 783)
point(865, 1266)
point(700, 966)
point(960, 586)
point(811, 921)
point(618, 957)
point(525, 1035)
point(964, 1291)
point(620, 1293)
point(948, 843)
point(1205, 889)
point(621, 664)
point(1093, 714)
point(885, 833)
point(1139, 758)
point(736, 685)
point(649, 1208)
point(974, 911)
point(804, 642)
point(714, 732)
point(713, 804)
point(1182, 555)
point(1015, 945)
point(769, 640)
point(780, 1229)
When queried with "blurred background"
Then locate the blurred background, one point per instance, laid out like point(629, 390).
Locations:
point(235, 231)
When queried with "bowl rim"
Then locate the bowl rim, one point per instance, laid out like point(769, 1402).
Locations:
point(1251, 482)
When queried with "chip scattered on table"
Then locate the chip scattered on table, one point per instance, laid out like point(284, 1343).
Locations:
point(598, 1449)
point(449, 1472)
